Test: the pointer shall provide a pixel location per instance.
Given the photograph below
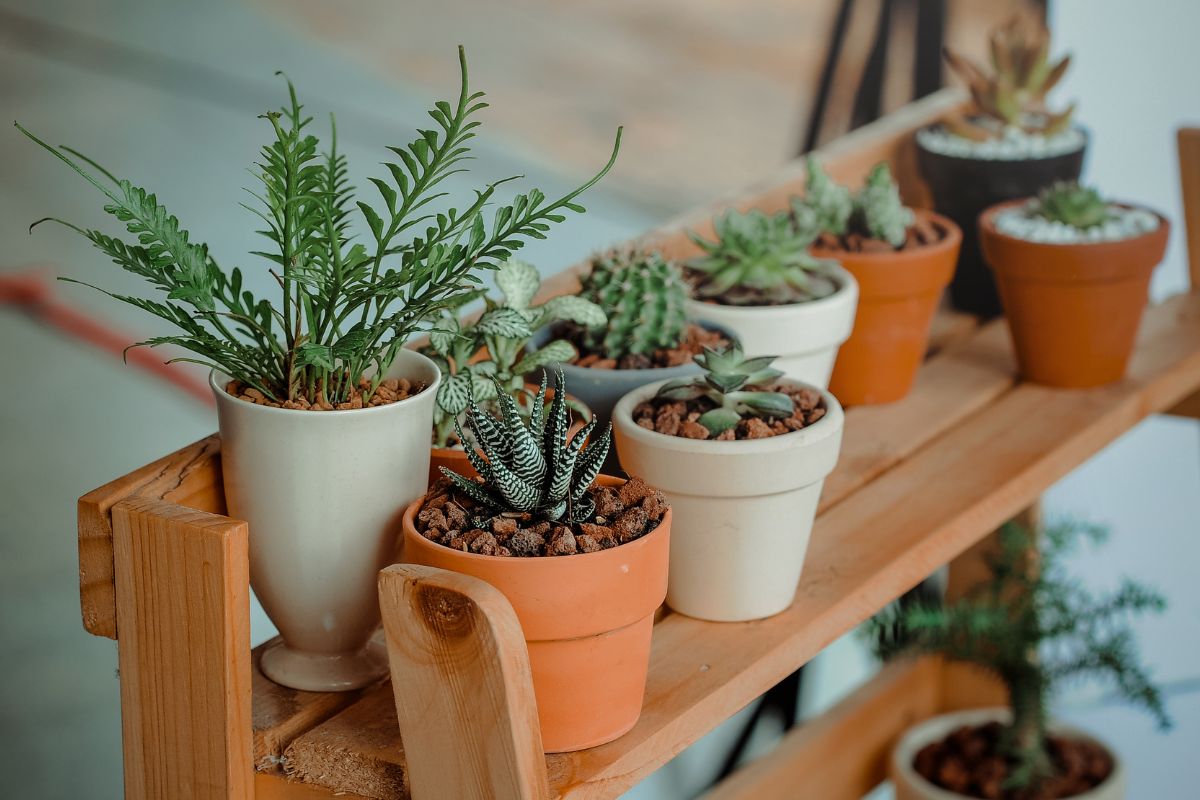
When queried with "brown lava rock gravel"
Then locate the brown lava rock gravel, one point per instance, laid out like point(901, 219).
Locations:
point(623, 513)
point(921, 233)
point(967, 762)
point(693, 344)
point(390, 391)
point(678, 418)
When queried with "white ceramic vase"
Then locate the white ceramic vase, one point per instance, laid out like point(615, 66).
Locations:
point(743, 509)
point(805, 337)
point(910, 785)
point(323, 492)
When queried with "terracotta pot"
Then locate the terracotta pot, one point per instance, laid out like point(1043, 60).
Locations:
point(322, 491)
point(455, 458)
point(804, 336)
point(743, 509)
point(898, 294)
point(963, 187)
point(910, 785)
point(1073, 309)
point(587, 620)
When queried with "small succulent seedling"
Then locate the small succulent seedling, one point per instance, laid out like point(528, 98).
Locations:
point(502, 332)
point(725, 381)
point(1014, 94)
point(1080, 207)
point(527, 464)
point(1034, 628)
point(645, 298)
point(761, 259)
point(875, 211)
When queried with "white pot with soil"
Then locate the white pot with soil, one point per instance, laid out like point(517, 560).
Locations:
point(323, 492)
point(913, 746)
point(743, 508)
point(805, 336)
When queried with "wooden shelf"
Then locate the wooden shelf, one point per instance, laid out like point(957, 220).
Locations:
point(918, 483)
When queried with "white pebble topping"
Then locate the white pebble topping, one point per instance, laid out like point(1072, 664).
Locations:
point(1014, 145)
point(1123, 223)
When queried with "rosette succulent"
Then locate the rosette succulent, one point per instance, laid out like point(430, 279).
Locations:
point(1069, 203)
point(726, 379)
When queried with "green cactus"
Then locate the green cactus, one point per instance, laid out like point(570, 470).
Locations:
point(1080, 207)
point(527, 464)
point(726, 374)
point(645, 298)
point(830, 202)
point(882, 213)
point(761, 259)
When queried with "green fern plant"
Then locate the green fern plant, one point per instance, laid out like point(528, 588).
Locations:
point(527, 465)
point(503, 332)
point(646, 300)
point(1069, 203)
point(725, 379)
point(347, 306)
point(760, 259)
point(1034, 628)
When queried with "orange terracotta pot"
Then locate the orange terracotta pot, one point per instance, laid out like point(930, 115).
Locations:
point(455, 459)
point(587, 621)
point(898, 294)
point(1073, 309)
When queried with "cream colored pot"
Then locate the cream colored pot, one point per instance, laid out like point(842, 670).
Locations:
point(804, 336)
point(911, 786)
point(743, 509)
point(323, 492)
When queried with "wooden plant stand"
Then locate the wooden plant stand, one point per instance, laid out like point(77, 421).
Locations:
point(920, 483)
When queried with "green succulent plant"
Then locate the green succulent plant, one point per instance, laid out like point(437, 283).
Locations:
point(1080, 207)
point(883, 214)
point(725, 379)
point(527, 464)
point(503, 331)
point(830, 202)
point(645, 297)
point(875, 211)
point(1034, 628)
point(1014, 94)
point(761, 259)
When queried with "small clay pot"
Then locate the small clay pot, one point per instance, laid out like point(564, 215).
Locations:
point(898, 294)
point(963, 187)
point(455, 458)
point(587, 620)
point(1073, 309)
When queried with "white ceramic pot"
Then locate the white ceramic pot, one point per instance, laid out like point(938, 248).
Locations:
point(910, 785)
point(804, 336)
point(743, 509)
point(323, 492)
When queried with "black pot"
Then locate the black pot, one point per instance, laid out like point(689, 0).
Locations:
point(963, 187)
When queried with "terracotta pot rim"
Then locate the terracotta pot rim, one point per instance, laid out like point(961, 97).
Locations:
point(987, 225)
point(846, 281)
point(1087, 138)
point(648, 371)
point(952, 239)
point(219, 390)
point(534, 562)
point(826, 426)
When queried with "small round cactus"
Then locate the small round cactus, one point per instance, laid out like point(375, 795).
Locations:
point(1080, 207)
point(644, 296)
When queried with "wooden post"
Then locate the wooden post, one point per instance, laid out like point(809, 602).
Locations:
point(1189, 182)
point(183, 612)
point(463, 690)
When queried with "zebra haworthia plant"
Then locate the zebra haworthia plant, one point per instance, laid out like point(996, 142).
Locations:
point(725, 379)
point(527, 465)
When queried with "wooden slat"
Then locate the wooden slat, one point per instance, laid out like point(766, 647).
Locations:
point(183, 607)
point(1189, 180)
point(463, 687)
point(842, 754)
point(190, 477)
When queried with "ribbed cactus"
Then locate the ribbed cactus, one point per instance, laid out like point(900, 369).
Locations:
point(644, 296)
point(1080, 207)
point(884, 215)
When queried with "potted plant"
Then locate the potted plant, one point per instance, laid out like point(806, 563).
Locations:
point(758, 280)
point(741, 454)
point(582, 558)
point(647, 336)
point(1008, 145)
point(902, 260)
point(492, 354)
point(324, 416)
point(1034, 628)
point(1074, 272)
